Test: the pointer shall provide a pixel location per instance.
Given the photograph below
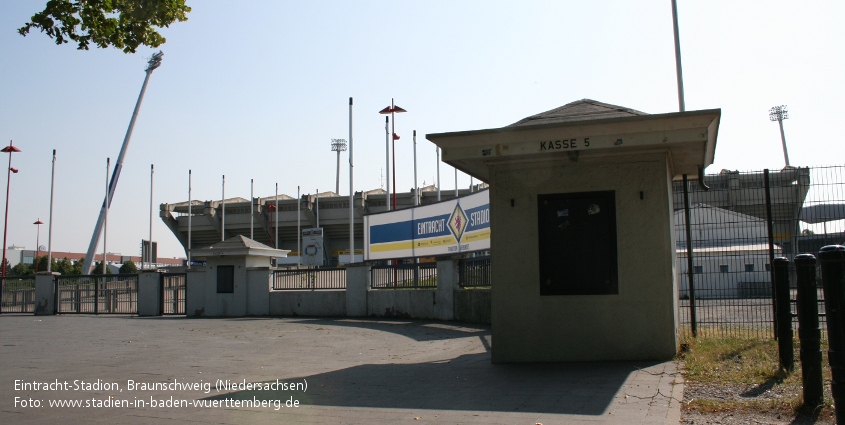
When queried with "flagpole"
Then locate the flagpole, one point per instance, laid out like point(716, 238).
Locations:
point(387, 160)
point(351, 194)
point(190, 215)
point(223, 207)
point(50, 226)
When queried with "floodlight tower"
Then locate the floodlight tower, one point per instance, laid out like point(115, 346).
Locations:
point(780, 113)
point(338, 145)
point(152, 64)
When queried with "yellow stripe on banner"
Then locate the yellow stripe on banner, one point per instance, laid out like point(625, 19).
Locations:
point(395, 246)
point(476, 236)
point(432, 242)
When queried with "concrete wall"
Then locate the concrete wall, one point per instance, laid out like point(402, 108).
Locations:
point(255, 297)
point(328, 303)
point(637, 323)
point(149, 294)
point(472, 306)
point(416, 304)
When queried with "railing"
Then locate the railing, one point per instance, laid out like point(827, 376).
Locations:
point(173, 293)
point(96, 294)
point(404, 276)
point(309, 279)
point(474, 272)
point(736, 228)
point(18, 294)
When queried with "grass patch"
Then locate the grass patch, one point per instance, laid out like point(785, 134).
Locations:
point(736, 371)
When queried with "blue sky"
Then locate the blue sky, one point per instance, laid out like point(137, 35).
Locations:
point(257, 90)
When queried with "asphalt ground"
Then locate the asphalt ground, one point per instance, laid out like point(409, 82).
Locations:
point(132, 370)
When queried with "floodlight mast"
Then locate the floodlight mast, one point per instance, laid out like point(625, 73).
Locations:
point(152, 64)
point(338, 145)
point(780, 113)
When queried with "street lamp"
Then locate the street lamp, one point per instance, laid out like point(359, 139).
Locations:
point(779, 113)
point(38, 223)
point(392, 110)
point(338, 145)
point(10, 149)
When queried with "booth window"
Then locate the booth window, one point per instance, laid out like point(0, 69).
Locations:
point(577, 243)
point(225, 279)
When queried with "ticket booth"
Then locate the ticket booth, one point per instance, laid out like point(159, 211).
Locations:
point(582, 235)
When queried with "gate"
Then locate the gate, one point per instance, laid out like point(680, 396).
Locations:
point(173, 290)
point(97, 294)
point(18, 294)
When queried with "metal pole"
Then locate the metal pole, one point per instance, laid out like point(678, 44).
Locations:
point(770, 228)
point(50, 225)
point(37, 242)
point(251, 210)
point(438, 173)
point(317, 200)
point(809, 333)
point(416, 188)
point(223, 207)
point(276, 216)
point(393, 146)
point(153, 63)
point(832, 259)
point(190, 215)
point(9, 149)
point(387, 160)
point(105, 224)
point(337, 175)
point(678, 71)
point(690, 269)
point(298, 231)
point(456, 182)
point(783, 141)
point(150, 246)
point(351, 194)
point(780, 266)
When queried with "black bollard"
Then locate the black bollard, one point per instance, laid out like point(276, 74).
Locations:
point(808, 331)
point(784, 314)
point(832, 259)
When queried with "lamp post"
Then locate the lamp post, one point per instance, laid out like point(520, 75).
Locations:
point(780, 113)
point(10, 149)
point(338, 145)
point(392, 110)
point(38, 224)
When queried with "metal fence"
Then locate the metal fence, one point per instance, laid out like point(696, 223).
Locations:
point(309, 279)
point(18, 294)
point(173, 293)
point(404, 276)
point(474, 272)
point(97, 294)
point(735, 229)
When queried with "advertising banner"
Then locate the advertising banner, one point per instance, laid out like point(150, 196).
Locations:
point(448, 227)
point(312, 244)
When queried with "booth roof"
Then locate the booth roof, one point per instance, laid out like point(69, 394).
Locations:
point(580, 110)
point(240, 245)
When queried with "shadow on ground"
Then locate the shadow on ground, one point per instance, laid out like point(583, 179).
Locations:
point(469, 382)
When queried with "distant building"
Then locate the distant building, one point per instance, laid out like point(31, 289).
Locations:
point(330, 211)
point(17, 255)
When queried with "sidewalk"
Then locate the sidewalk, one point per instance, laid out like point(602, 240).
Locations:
point(364, 371)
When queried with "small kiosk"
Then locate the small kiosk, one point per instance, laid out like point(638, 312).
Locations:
point(224, 285)
point(582, 236)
